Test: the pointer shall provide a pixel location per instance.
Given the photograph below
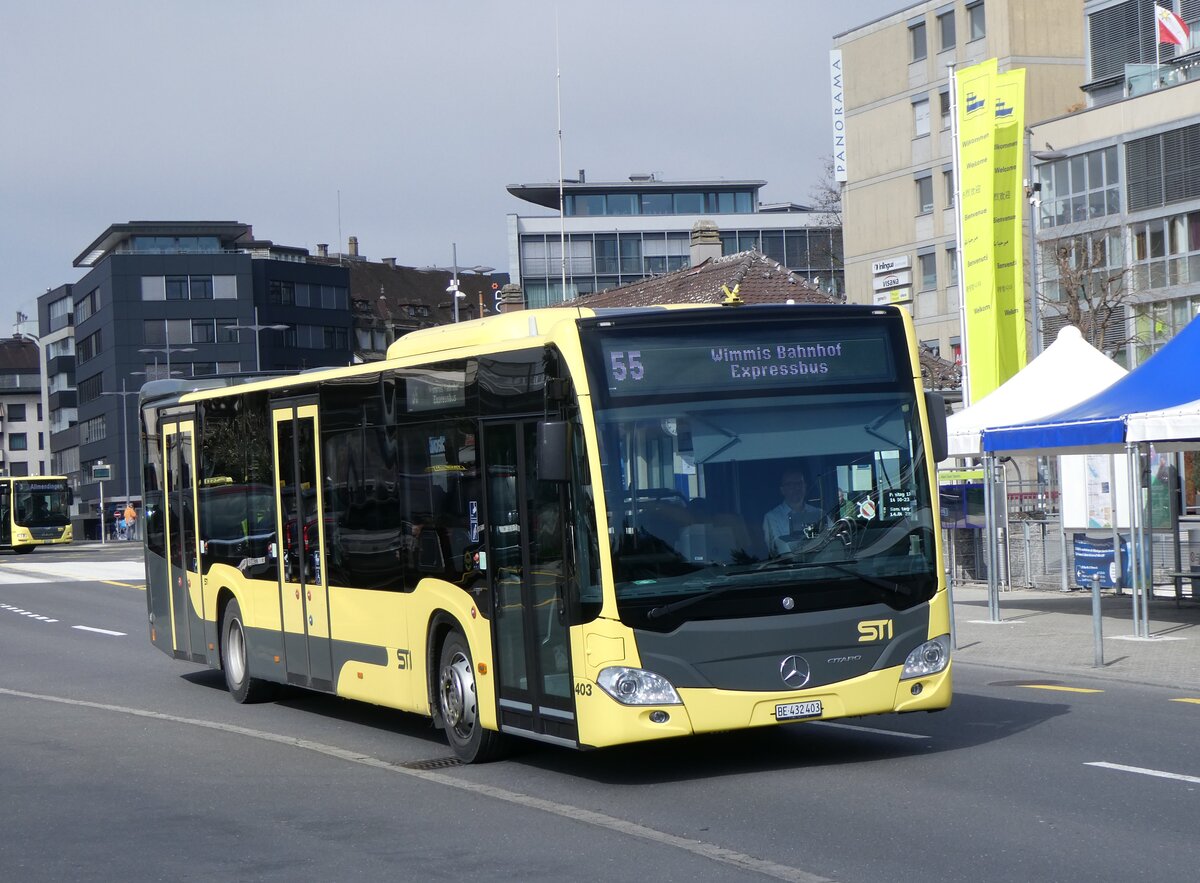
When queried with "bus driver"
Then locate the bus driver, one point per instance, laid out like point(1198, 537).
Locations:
point(793, 520)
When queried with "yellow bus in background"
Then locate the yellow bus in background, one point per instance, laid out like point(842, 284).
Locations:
point(586, 528)
point(34, 511)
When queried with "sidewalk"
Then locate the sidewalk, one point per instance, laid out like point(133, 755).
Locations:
point(1051, 633)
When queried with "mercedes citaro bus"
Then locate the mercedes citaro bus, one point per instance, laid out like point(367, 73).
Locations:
point(567, 525)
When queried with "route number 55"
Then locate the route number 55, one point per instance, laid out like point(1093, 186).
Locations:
point(627, 365)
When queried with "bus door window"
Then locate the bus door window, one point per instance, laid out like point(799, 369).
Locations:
point(5, 512)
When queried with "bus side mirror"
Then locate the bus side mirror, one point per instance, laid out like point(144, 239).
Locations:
point(935, 407)
point(552, 462)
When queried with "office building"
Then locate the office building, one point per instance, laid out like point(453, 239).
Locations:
point(22, 424)
point(617, 233)
point(1119, 218)
point(899, 193)
point(183, 299)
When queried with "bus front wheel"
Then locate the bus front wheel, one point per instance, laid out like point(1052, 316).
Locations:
point(24, 550)
point(459, 704)
point(235, 660)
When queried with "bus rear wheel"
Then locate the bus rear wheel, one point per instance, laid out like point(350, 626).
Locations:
point(235, 660)
point(459, 705)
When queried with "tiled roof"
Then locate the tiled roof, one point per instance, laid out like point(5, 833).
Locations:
point(18, 356)
point(759, 279)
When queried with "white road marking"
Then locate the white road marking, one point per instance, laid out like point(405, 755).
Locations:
point(22, 612)
point(584, 816)
point(88, 628)
point(71, 571)
point(1142, 771)
point(869, 730)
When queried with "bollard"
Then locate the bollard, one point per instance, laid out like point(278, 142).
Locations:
point(1097, 627)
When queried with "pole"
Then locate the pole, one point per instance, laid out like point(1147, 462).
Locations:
point(257, 351)
point(958, 233)
point(102, 529)
point(454, 294)
point(125, 438)
point(1035, 203)
point(1097, 624)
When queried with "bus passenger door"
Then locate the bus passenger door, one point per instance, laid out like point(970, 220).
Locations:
point(183, 553)
point(5, 512)
point(300, 529)
point(526, 568)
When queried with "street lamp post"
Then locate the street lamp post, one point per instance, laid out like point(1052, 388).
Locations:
point(453, 287)
point(1034, 193)
point(124, 394)
point(258, 329)
point(168, 349)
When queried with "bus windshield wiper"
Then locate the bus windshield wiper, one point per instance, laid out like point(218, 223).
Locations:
point(664, 609)
point(886, 585)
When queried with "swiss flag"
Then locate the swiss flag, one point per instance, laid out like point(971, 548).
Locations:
point(1171, 28)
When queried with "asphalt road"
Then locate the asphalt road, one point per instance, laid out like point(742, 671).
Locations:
point(117, 762)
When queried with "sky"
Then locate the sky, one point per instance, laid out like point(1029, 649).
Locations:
point(401, 123)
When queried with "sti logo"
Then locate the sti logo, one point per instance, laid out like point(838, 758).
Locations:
point(974, 102)
point(1002, 109)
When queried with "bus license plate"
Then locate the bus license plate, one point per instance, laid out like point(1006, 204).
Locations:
point(794, 710)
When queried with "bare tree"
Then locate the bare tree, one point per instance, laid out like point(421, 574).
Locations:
point(1087, 286)
point(825, 248)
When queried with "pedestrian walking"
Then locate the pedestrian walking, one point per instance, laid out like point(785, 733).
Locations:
point(130, 521)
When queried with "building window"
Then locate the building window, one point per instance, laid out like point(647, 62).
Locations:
point(927, 266)
point(944, 108)
point(920, 117)
point(60, 313)
point(946, 29)
point(154, 288)
point(916, 36)
point(956, 350)
point(925, 194)
point(1163, 169)
point(18, 441)
point(948, 177)
point(90, 388)
point(177, 288)
point(88, 348)
point(952, 265)
point(226, 333)
point(225, 287)
point(201, 287)
point(87, 306)
point(1082, 187)
point(1166, 252)
point(93, 430)
point(336, 338)
point(202, 331)
point(229, 367)
point(16, 413)
point(975, 22)
point(933, 345)
point(281, 293)
point(203, 369)
point(154, 332)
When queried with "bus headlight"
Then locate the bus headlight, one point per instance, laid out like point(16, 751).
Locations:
point(928, 659)
point(636, 686)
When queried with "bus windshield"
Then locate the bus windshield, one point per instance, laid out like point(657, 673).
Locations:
point(41, 504)
point(775, 500)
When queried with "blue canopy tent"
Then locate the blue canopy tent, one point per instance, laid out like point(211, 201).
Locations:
point(1167, 379)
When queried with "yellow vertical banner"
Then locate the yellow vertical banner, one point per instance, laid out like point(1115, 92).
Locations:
point(976, 159)
point(1007, 202)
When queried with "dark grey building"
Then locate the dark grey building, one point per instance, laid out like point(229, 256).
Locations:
point(187, 299)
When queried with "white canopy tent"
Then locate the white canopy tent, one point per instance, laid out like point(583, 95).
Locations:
point(1068, 371)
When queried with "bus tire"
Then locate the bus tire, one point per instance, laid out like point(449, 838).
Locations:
point(235, 660)
point(459, 706)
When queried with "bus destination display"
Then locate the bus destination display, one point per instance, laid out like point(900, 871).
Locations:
point(654, 365)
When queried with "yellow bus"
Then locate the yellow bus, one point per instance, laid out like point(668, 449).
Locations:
point(35, 511)
point(582, 527)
